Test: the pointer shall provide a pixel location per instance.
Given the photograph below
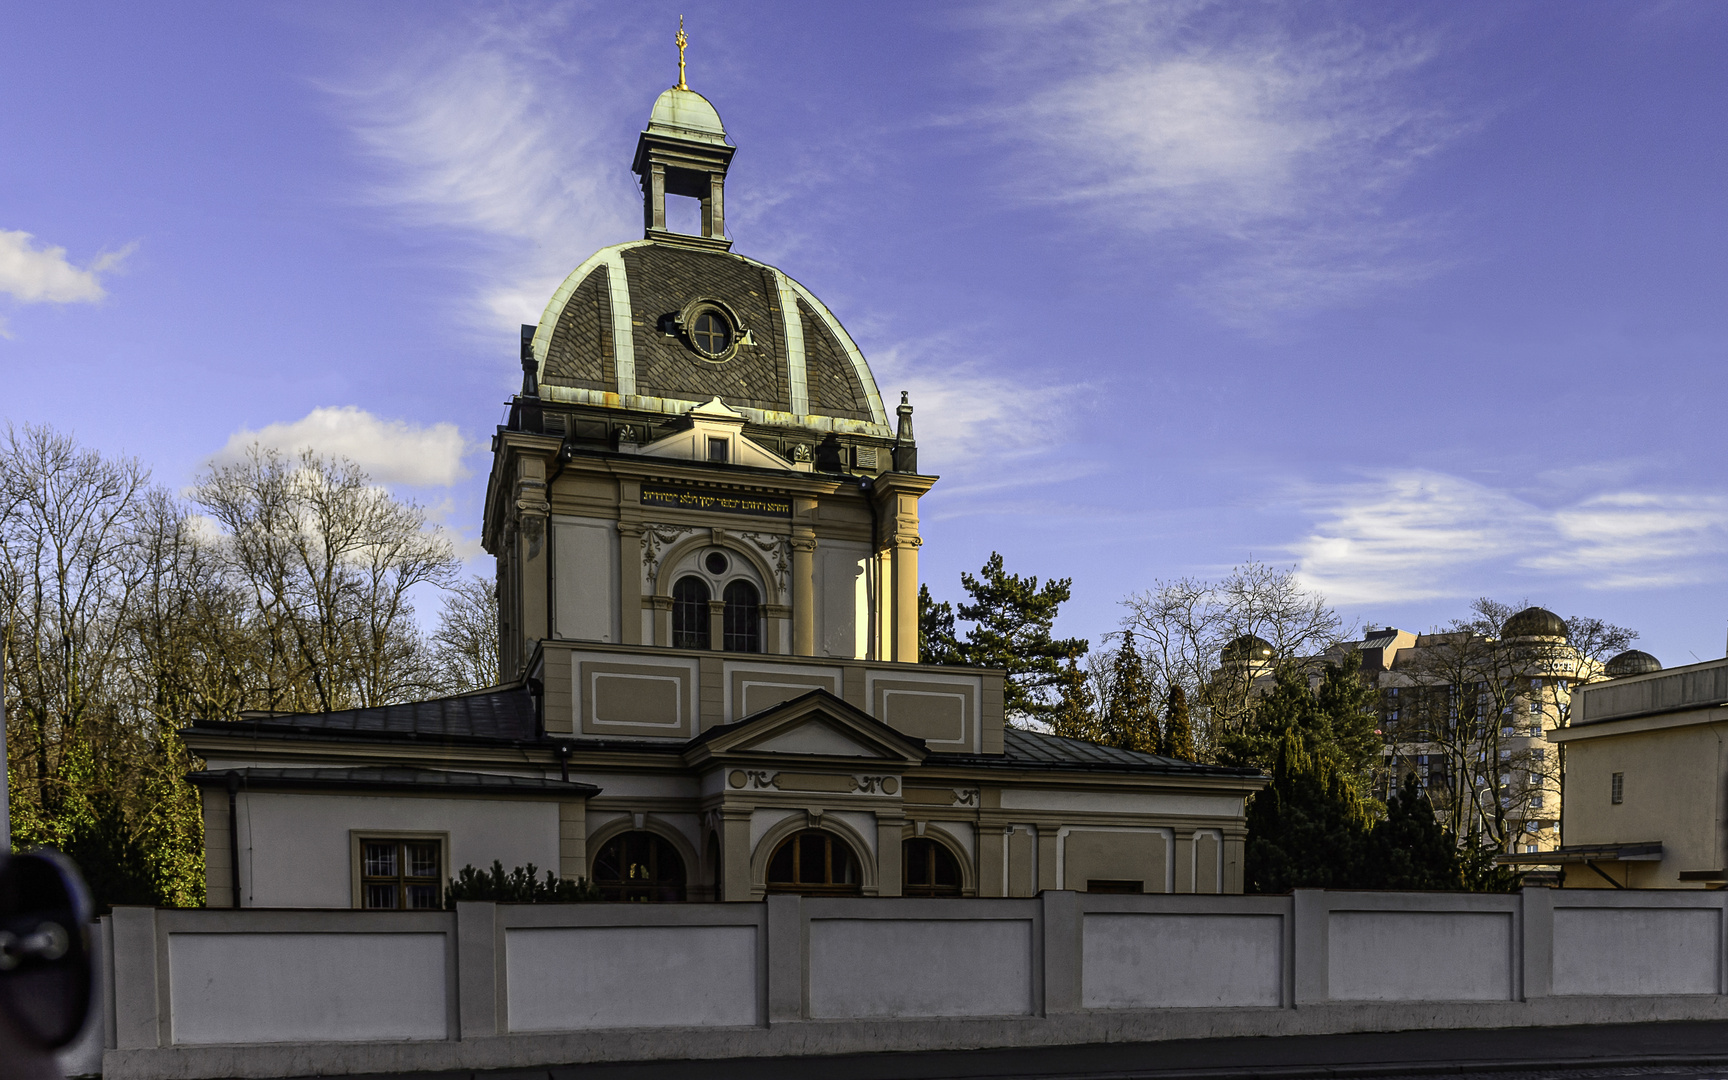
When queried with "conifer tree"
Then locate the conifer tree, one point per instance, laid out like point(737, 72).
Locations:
point(1130, 716)
point(1308, 828)
point(1177, 739)
point(1075, 716)
point(936, 641)
point(1012, 617)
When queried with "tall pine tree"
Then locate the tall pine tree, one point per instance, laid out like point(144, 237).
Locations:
point(1012, 617)
point(1308, 828)
point(1177, 738)
point(1076, 716)
point(1131, 714)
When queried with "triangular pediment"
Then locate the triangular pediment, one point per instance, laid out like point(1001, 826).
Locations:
point(814, 725)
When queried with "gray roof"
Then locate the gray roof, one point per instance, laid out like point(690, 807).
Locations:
point(394, 779)
point(501, 713)
point(1023, 749)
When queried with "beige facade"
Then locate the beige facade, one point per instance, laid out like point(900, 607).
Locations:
point(1646, 778)
point(707, 535)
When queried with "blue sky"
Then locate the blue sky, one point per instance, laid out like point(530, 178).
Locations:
point(1424, 300)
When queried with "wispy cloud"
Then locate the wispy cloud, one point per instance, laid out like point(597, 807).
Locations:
point(486, 130)
point(1413, 535)
point(44, 275)
point(1259, 144)
point(391, 451)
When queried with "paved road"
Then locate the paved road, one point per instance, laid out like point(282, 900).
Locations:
point(1676, 1051)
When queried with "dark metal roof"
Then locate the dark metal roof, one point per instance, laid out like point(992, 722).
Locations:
point(395, 779)
point(1023, 749)
point(1646, 851)
point(499, 714)
point(1534, 622)
point(1631, 662)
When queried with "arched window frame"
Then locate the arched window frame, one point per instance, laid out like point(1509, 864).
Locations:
point(691, 628)
point(662, 887)
point(936, 851)
point(831, 843)
point(743, 620)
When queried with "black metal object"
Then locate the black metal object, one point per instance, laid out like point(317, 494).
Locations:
point(233, 839)
point(45, 963)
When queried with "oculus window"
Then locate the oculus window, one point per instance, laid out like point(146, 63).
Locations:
point(712, 334)
point(814, 863)
point(639, 866)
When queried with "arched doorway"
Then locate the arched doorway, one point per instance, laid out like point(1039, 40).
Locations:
point(639, 866)
point(929, 869)
point(690, 625)
point(815, 863)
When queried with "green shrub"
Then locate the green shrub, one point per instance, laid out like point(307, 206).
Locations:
point(519, 886)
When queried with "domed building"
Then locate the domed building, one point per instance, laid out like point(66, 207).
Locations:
point(706, 529)
point(1631, 662)
point(1535, 622)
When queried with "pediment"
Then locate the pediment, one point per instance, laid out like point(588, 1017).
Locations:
point(815, 737)
point(817, 725)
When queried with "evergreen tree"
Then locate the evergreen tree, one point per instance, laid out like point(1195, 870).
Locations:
point(1130, 716)
point(1013, 616)
point(1408, 848)
point(1177, 740)
point(1075, 717)
point(1334, 720)
point(936, 641)
point(1308, 828)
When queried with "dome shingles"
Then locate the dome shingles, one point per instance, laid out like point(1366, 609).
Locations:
point(1535, 622)
point(833, 384)
point(1631, 662)
point(663, 280)
point(581, 351)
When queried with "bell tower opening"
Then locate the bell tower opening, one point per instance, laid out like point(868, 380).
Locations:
point(684, 152)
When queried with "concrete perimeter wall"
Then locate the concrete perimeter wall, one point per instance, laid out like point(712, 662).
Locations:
point(269, 993)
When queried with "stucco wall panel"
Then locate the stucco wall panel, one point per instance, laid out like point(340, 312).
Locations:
point(264, 988)
point(904, 968)
point(574, 978)
point(1420, 955)
point(1150, 961)
point(1627, 950)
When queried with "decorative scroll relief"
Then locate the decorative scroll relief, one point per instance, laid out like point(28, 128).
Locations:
point(655, 540)
point(776, 549)
point(826, 783)
point(966, 796)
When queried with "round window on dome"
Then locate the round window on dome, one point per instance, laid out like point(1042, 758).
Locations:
point(712, 334)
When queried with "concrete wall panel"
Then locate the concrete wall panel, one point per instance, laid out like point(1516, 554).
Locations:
point(571, 978)
point(1420, 955)
point(1151, 961)
point(1625, 950)
point(920, 967)
point(320, 987)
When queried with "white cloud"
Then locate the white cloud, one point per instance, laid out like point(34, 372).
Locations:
point(43, 275)
point(391, 451)
point(1261, 150)
point(1413, 535)
point(486, 130)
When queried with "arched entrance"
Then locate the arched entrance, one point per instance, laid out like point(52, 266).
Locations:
point(814, 862)
point(929, 869)
point(639, 866)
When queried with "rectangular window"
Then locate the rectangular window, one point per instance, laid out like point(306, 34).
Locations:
point(1535, 708)
point(1617, 789)
point(401, 875)
point(717, 451)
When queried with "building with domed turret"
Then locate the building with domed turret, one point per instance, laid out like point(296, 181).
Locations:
point(705, 519)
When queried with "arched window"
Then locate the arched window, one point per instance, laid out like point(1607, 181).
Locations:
point(639, 866)
point(743, 618)
point(690, 614)
point(814, 863)
point(930, 869)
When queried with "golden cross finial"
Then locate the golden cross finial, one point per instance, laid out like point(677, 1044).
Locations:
point(682, 41)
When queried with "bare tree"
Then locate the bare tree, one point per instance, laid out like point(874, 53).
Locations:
point(465, 645)
point(329, 563)
point(1187, 624)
